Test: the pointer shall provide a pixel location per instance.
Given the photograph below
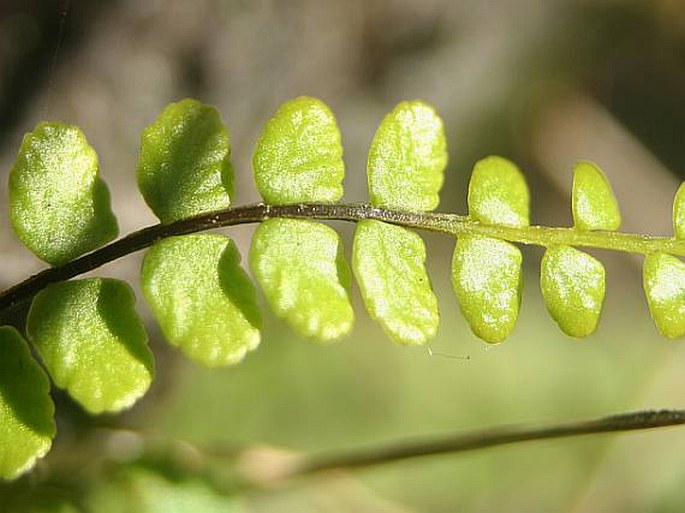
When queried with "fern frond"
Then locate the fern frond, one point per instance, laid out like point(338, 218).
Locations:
point(93, 344)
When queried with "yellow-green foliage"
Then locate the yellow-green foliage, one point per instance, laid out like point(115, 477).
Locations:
point(93, 344)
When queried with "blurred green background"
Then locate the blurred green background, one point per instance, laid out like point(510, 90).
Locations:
point(543, 82)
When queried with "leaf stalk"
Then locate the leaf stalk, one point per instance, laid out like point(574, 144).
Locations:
point(447, 223)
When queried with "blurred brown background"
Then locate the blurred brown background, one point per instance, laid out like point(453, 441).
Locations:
point(543, 82)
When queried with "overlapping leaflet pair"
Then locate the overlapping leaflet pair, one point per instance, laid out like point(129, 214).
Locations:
point(92, 341)
point(300, 264)
point(487, 271)
point(573, 282)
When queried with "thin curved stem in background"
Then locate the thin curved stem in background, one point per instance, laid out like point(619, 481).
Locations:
point(450, 224)
point(455, 443)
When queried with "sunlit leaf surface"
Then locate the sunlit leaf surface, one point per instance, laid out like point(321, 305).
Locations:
point(664, 282)
point(92, 342)
point(299, 154)
point(573, 285)
point(389, 264)
point(594, 204)
point(59, 206)
point(486, 276)
point(301, 267)
point(203, 300)
point(407, 158)
point(498, 193)
point(27, 426)
point(184, 167)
